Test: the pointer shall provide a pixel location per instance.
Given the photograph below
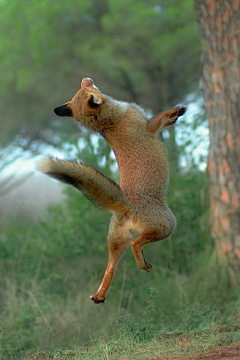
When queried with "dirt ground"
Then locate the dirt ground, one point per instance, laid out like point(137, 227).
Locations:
point(231, 352)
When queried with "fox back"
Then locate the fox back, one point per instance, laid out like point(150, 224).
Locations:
point(140, 211)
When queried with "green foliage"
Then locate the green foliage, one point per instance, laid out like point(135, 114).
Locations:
point(142, 330)
point(142, 51)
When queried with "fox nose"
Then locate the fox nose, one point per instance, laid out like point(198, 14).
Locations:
point(63, 110)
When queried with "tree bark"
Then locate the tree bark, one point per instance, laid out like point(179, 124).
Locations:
point(219, 22)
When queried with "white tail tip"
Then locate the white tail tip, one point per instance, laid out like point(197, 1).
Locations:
point(44, 164)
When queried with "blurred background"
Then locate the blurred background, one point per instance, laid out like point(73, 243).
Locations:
point(53, 247)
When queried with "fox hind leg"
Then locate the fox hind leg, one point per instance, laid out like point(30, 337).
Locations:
point(118, 240)
point(164, 229)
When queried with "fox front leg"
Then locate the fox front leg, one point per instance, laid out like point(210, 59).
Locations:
point(164, 119)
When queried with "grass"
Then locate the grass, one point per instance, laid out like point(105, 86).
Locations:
point(32, 325)
point(46, 310)
point(161, 346)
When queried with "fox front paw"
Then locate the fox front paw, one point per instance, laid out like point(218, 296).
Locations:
point(96, 299)
point(181, 110)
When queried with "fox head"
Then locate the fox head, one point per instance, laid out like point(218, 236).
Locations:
point(87, 97)
point(90, 107)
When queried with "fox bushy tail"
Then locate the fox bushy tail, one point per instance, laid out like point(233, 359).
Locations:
point(95, 186)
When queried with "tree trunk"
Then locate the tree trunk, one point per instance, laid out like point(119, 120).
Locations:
point(219, 22)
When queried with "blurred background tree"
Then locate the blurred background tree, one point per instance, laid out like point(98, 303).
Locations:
point(220, 29)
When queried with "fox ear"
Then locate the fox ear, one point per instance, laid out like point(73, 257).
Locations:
point(87, 82)
point(64, 110)
point(94, 101)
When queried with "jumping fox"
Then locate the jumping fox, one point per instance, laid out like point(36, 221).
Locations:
point(140, 211)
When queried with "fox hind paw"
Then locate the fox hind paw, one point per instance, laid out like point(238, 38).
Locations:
point(96, 300)
point(147, 267)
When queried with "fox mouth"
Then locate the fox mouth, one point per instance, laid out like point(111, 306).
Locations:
point(63, 110)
